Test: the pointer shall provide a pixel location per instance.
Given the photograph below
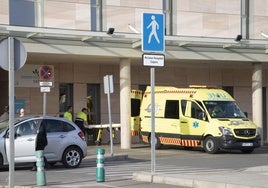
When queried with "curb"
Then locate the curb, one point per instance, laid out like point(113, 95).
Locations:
point(191, 183)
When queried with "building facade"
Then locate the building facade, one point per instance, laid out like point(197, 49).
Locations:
point(201, 48)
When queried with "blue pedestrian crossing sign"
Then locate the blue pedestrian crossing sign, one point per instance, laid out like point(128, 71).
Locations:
point(153, 32)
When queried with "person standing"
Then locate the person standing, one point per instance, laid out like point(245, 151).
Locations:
point(22, 112)
point(41, 140)
point(68, 113)
point(81, 119)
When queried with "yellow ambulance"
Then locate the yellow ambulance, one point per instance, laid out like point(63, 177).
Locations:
point(197, 117)
point(136, 98)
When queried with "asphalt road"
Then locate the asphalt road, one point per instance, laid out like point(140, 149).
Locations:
point(118, 173)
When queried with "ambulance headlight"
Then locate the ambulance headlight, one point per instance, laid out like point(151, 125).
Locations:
point(226, 131)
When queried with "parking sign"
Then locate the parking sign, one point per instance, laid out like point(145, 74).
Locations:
point(153, 32)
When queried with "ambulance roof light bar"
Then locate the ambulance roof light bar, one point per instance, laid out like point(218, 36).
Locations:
point(201, 86)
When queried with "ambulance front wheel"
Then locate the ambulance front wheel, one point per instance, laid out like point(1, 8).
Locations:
point(211, 145)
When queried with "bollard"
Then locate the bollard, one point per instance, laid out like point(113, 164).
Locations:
point(100, 172)
point(40, 165)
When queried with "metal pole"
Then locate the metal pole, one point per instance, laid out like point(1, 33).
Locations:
point(44, 103)
point(152, 121)
point(11, 110)
point(110, 119)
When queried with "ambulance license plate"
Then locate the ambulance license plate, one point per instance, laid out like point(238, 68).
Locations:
point(247, 144)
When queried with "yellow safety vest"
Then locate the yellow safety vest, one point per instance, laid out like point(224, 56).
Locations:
point(82, 116)
point(68, 115)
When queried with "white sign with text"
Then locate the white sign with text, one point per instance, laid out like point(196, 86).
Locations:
point(153, 60)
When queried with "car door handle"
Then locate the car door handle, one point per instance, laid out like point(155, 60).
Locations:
point(30, 139)
point(62, 136)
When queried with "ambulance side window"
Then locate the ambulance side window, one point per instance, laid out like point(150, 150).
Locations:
point(183, 106)
point(135, 107)
point(172, 109)
point(196, 111)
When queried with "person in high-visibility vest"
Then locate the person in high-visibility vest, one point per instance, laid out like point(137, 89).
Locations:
point(68, 113)
point(81, 119)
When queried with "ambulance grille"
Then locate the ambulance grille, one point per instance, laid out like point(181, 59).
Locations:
point(245, 132)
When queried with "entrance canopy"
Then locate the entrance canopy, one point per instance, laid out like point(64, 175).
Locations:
point(107, 48)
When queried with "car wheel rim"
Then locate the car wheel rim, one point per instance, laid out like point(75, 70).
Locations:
point(210, 145)
point(73, 158)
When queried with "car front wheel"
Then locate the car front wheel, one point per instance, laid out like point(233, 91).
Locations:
point(72, 157)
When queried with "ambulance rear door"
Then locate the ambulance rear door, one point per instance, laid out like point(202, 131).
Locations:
point(136, 97)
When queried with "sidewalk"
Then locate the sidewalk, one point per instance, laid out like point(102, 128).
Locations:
point(249, 178)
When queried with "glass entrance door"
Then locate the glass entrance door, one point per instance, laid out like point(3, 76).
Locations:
point(93, 103)
point(65, 98)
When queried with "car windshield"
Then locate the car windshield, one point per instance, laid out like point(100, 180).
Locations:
point(223, 109)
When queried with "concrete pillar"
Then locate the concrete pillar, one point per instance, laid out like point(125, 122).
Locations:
point(257, 96)
point(39, 13)
point(125, 103)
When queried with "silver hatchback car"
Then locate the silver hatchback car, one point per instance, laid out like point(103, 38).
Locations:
point(66, 142)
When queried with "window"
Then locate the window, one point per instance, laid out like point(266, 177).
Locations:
point(67, 127)
point(26, 128)
point(172, 109)
point(135, 107)
point(196, 111)
point(183, 106)
point(58, 126)
point(53, 126)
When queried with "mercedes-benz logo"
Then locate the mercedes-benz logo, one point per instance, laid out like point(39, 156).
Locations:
point(246, 132)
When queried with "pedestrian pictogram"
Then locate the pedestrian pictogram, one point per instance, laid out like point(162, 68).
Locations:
point(154, 27)
point(153, 32)
point(45, 73)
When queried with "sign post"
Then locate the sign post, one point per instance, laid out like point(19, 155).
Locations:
point(12, 57)
point(153, 41)
point(45, 78)
point(109, 88)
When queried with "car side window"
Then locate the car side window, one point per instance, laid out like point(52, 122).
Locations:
point(53, 126)
point(26, 128)
point(67, 127)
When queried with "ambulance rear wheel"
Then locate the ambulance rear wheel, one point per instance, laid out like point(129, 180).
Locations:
point(211, 145)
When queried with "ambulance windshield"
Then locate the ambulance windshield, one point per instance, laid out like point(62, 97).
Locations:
point(223, 109)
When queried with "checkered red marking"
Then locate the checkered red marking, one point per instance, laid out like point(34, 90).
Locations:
point(175, 91)
point(178, 141)
point(144, 138)
point(134, 133)
point(136, 92)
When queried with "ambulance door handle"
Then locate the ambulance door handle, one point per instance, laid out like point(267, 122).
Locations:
point(184, 122)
